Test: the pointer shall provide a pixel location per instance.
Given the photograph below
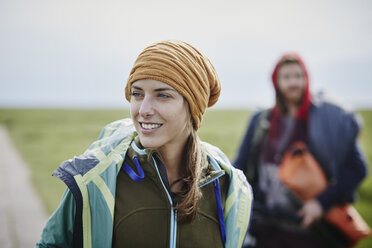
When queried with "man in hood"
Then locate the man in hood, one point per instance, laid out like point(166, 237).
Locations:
point(330, 133)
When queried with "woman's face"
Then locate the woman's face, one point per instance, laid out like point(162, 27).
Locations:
point(160, 114)
point(291, 82)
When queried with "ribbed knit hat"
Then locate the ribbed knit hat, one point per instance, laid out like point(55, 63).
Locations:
point(183, 67)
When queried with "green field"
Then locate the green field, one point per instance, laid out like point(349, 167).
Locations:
point(46, 138)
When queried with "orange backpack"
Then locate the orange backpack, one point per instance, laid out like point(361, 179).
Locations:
point(304, 177)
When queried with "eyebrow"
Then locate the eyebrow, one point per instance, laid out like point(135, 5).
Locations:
point(164, 89)
point(156, 90)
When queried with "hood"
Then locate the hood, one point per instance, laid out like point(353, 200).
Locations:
point(304, 107)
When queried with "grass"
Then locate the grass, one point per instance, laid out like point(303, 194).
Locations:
point(45, 138)
point(365, 190)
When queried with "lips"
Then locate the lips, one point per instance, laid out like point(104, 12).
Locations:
point(150, 126)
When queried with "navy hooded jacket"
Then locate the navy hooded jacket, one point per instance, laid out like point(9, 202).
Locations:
point(332, 140)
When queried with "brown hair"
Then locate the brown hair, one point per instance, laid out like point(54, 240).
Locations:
point(280, 98)
point(190, 194)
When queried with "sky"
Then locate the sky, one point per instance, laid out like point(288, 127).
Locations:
point(78, 54)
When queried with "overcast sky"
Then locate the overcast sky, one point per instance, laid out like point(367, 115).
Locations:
point(78, 54)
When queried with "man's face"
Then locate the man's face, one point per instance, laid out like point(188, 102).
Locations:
point(291, 82)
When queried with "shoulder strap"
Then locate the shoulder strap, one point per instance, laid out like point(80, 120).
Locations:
point(262, 127)
point(260, 131)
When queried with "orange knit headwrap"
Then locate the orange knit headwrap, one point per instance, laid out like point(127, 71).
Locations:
point(183, 67)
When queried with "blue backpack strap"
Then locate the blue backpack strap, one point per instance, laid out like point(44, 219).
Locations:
point(131, 173)
point(221, 219)
point(217, 191)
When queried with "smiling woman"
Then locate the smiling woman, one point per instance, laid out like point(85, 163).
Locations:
point(160, 114)
point(163, 122)
point(149, 181)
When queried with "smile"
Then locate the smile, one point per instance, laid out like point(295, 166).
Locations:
point(150, 126)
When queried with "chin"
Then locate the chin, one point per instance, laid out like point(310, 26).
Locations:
point(295, 99)
point(148, 142)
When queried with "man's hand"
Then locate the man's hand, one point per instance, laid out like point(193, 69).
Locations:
point(310, 211)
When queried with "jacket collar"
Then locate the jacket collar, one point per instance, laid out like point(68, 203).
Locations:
point(211, 170)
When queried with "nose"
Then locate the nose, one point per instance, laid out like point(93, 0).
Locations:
point(146, 108)
point(294, 81)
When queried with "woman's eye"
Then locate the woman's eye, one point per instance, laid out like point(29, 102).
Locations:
point(163, 95)
point(136, 94)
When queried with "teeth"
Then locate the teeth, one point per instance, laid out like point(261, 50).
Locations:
point(150, 126)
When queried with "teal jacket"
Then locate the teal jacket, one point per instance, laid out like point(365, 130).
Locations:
point(85, 215)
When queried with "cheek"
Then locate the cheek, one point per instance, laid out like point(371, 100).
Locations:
point(178, 115)
point(133, 108)
point(282, 86)
point(303, 84)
